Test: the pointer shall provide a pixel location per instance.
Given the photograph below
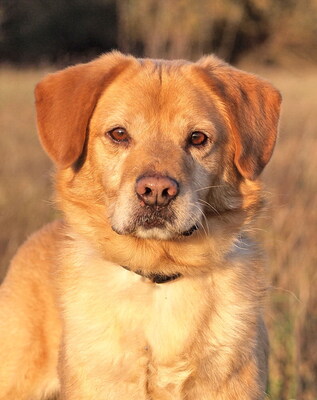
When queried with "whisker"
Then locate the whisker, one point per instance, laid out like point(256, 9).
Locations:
point(286, 291)
point(203, 202)
point(203, 228)
point(206, 227)
point(236, 245)
point(205, 218)
point(206, 221)
point(193, 219)
point(208, 187)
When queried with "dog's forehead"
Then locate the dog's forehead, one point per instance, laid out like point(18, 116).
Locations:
point(151, 85)
point(153, 91)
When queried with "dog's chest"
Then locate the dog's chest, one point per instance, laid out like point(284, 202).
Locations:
point(170, 320)
point(127, 321)
point(165, 315)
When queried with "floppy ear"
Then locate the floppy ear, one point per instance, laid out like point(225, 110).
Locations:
point(252, 107)
point(65, 102)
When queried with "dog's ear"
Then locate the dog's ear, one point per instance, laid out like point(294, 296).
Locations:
point(252, 107)
point(65, 101)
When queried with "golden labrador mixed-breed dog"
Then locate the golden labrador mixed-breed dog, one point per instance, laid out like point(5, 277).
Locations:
point(149, 288)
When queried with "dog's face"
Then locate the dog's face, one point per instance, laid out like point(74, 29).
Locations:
point(160, 147)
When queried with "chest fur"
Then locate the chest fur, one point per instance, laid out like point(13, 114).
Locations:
point(155, 336)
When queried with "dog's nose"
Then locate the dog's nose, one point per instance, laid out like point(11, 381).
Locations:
point(156, 190)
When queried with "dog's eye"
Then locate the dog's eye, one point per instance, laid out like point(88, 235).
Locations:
point(119, 135)
point(197, 138)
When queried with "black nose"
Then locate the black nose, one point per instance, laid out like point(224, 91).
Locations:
point(156, 190)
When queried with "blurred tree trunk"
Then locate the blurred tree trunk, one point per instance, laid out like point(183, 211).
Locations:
point(165, 28)
point(231, 28)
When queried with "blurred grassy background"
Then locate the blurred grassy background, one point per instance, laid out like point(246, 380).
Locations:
point(274, 38)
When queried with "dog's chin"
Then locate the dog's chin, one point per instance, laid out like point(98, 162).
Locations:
point(153, 233)
point(157, 233)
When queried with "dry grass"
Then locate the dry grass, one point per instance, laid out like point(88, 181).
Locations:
point(290, 238)
point(288, 230)
point(24, 171)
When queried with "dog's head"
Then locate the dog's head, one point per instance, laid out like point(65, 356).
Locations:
point(156, 149)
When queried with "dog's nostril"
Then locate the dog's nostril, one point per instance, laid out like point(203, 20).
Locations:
point(147, 190)
point(172, 190)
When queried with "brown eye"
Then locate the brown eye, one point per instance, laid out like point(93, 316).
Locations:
point(119, 135)
point(197, 138)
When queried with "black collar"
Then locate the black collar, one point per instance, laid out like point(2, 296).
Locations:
point(155, 278)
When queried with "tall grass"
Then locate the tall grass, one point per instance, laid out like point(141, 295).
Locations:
point(288, 230)
point(24, 168)
point(290, 238)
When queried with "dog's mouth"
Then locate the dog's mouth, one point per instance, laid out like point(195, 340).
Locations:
point(156, 231)
point(150, 218)
point(159, 223)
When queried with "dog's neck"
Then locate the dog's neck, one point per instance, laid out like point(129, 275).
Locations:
point(157, 261)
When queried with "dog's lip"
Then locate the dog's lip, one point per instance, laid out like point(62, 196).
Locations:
point(117, 231)
point(190, 231)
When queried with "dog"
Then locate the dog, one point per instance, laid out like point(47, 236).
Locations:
point(149, 288)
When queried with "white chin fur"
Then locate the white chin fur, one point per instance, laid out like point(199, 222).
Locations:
point(153, 233)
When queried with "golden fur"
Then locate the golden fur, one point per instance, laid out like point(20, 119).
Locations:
point(74, 323)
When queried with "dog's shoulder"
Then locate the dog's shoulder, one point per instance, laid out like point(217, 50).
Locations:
point(36, 256)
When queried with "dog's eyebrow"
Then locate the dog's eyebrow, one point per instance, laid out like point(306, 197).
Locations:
point(111, 122)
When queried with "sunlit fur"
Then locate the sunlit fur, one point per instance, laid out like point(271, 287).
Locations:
point(117, 334)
